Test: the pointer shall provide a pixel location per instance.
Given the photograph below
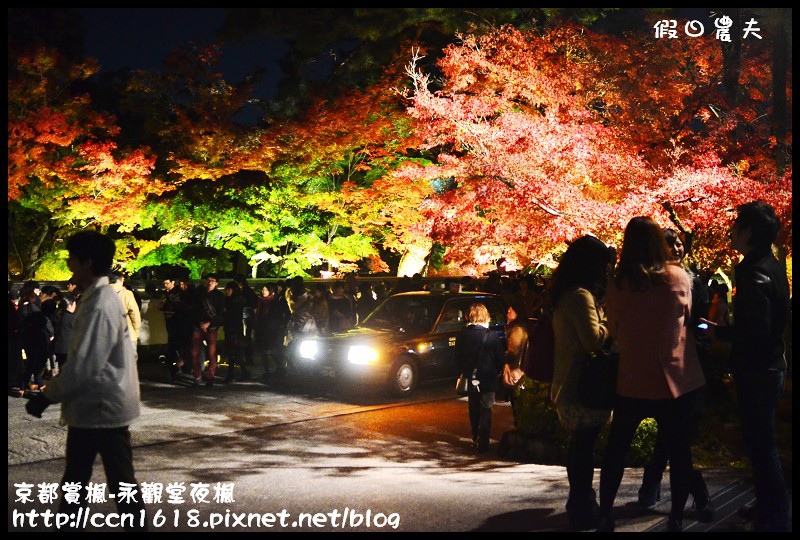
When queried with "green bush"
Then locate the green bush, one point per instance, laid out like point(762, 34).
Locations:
point(535, 417)
point(534, 414)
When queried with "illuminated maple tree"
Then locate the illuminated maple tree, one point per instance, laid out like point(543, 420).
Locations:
point(515, 141)
point(64, 165)
point(342, 151)
point(550, 135)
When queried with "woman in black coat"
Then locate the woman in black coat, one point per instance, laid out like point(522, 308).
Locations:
point(481, 354)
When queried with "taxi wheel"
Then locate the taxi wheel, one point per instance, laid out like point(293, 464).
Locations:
point(402, 377)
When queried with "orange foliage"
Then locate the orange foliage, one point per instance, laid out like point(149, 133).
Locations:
point(61, 154)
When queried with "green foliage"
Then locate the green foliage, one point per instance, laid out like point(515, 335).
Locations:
point(642, 445)
point(53, 267)
point(644, 442)
point(436, 259)
point(536, 416)
point(130, 251)
point(350, 248)
point(199, 260)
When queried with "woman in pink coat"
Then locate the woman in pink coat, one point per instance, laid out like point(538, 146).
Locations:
point(649, 304)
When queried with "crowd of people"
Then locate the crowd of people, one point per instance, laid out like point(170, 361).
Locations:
point(259, 326)
point(644, 302)
point(40, 326)
point(660, 317)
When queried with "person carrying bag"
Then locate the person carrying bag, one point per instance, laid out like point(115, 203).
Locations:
point(480, 354)
point(516, 350)
point(579, 328)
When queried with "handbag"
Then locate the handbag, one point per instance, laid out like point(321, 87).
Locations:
point(507, 383)
point(539, 358)
point(597, 382)
point(464, 383)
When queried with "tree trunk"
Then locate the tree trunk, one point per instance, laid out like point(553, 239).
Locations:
point(414, 258)
point(780, 52)
point(31, 264)
point(732, 56)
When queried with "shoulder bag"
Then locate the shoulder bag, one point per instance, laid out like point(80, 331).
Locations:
point(597, 382)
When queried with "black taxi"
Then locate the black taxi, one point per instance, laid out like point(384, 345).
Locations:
point(410, 337)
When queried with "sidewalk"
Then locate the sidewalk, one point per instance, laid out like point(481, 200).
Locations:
point(501, 502)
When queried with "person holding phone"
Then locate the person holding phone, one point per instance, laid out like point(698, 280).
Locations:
point(761, 309)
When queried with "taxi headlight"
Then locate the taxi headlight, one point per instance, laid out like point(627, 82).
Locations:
point(307, 349)
point(360, 354)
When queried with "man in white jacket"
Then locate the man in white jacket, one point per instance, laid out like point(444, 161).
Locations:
point(99, 387)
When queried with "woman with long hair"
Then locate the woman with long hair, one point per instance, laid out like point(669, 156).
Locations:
point(649, 308)
point(516, 347)
point(650, 490)
point(575, 293)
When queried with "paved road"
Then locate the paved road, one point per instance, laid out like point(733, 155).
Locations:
point(285, 448)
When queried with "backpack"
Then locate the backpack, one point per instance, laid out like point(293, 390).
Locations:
point(539, 358)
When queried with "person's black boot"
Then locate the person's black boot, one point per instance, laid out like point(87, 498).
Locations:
point(584, 515)
point(606, 524)
point(245, 374)
point(701, 499)
point(649, 494)
point(650, 490)
point(674, 524)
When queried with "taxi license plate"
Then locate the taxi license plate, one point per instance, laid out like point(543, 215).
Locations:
point(327, 372)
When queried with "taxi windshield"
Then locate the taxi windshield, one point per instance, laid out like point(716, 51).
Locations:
point(405, 313)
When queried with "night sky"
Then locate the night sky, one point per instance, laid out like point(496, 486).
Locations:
point(140, 38)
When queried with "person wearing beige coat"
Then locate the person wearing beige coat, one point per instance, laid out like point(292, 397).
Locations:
point(579, 327)
point(573, 298)
point(133, 314)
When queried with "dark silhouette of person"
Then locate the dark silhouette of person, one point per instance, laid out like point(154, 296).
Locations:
point(207, 308)
point(481, 355)
point(761, 310)
point(250, 298)
point(233, 326)
point(178, 325)
point(367, 300)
